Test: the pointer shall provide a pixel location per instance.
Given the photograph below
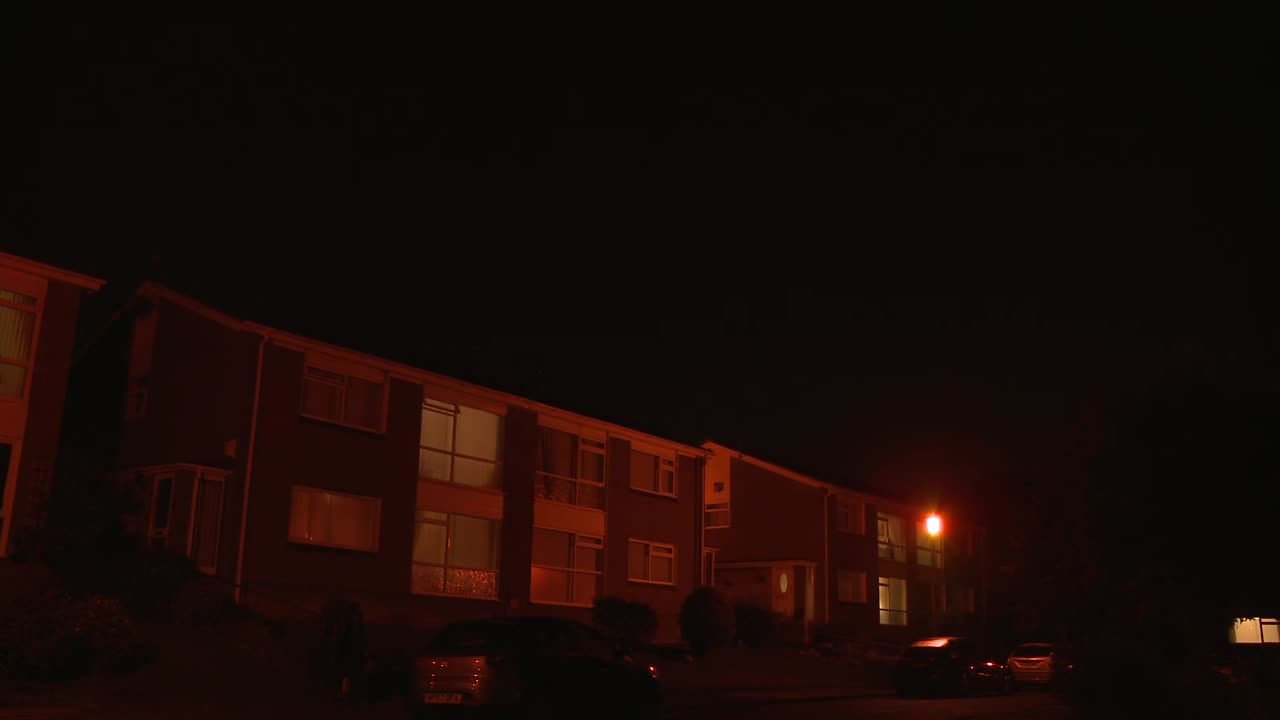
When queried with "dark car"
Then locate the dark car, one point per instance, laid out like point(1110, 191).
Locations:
point(530, 667)
point(950, 665)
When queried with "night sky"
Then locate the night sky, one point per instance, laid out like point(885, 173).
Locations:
point(932, 274)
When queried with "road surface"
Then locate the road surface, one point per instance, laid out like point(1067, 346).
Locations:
point(1032, 706)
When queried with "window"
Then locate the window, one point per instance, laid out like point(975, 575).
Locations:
point(206, 523)
point(717, 515)
point(928, 547)
point(355, 399)
point(851, 586)
point(17, 335)
point(889, 534)
point(567, 568)
point(893, 601)
point(651, 562)
point(653, 473)
point(570, 469)
point(848, 515)
point(455, 555)
point(461, 445)
point(161, 510)
point(321, 517)
point(1255, 630)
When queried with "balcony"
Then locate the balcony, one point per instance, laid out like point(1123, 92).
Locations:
point(571, 491)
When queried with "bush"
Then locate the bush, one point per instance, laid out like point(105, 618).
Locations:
point(341, 648)
point(756, 626)
point(633, 624)
point(62, 638)
point(706, 620)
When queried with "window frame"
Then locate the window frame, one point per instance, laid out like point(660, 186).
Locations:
point(854, 522)
point(664, 461)
point(445, 566)
point(311, 363)
point(929, 546)
point(36, 309)
point(583, 445)
point(161, 535)
point(575, 542)
point(648, 561)
point(377, 520)
point(454, 454)
point(886, 582)
point(709, 508)
point(859, 579)
point(885, 542)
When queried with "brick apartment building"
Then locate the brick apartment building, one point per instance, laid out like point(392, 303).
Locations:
point(821, 555)
point(293, 470)
point(39, 306)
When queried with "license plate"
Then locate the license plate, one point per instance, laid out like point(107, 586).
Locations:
point(442, 698)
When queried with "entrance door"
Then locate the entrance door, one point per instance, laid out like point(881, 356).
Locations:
point(784, 590)
point(206, 522)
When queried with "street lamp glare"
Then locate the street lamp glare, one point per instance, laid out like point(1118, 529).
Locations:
point(933, 524)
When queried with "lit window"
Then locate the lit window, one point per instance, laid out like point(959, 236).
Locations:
point(893, 601)
point(717, 515)
point(651, 562)
point(653, 473)
point(321, 517)
point(570, 469)
point(461, 445)
point(455, 555)
point(1255, 630)
point(17, 335)
point(355, 398)
point(889, 536)
point(928, 547)
point(851, 586)
point(567, 568)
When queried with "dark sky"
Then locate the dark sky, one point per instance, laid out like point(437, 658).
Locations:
point(929, 272)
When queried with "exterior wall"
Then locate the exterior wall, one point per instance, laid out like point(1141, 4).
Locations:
point(198, 408)
point(293, 450)
point(44, 409)
point(772, 518)
point(644, 516)
point(855, 551)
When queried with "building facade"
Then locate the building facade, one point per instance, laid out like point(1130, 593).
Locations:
point(39, 305)
point(824, 557)
point(295, 471)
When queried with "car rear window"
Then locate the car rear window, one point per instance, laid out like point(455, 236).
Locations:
point(474, 636)
point(1030, 651)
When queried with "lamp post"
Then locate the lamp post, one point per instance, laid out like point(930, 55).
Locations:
point(933, 526)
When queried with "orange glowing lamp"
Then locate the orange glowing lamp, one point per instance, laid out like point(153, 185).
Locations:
point(933, 525)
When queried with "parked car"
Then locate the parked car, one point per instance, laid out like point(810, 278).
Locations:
point(531, 668)
point(1033, 663)
point(943, 665)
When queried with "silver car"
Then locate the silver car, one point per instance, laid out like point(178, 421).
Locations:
point(1032, 663)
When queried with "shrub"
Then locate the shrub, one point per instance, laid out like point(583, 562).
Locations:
point(706, 620)
point(62, 638)
point(755, 625)
point(631, 623)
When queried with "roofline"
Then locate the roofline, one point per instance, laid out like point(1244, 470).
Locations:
point(51, 272)
point(400, 370)
point(799, 477)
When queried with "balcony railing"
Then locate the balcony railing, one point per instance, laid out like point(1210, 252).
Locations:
point(890, 551)
point(573, 491)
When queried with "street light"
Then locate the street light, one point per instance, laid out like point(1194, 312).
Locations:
point(933, 525)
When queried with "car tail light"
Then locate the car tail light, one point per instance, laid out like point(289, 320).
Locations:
point(653, 671)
